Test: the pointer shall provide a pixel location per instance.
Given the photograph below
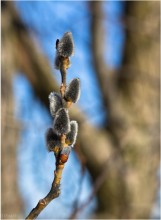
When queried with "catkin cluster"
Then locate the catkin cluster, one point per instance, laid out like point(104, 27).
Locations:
point(59, 105)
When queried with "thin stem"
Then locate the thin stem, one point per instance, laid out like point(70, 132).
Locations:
point(64, 65)
point(55, 188)
point(63, 74)
point(54, 193)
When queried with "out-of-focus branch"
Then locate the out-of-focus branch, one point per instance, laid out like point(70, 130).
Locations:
point(12, 206)
point(106, 76)
point(139, 43)
point(101, 177)
point(76, 202)
point(134, 105)
point(96, 186)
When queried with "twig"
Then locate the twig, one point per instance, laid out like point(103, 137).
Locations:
point(54, 193)
point(63, 67)
point(55, 189)
point(61, 158)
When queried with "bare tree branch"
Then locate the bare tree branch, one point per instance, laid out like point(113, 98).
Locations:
point(106, 77)
point(11, 202)
point(98, 184)
point(134, 111)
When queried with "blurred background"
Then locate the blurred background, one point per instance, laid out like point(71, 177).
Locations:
point(113, 171)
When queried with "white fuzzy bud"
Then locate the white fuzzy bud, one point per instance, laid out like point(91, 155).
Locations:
point(55, 103)
point(61, 123)
point(52, 140)
point(65, 46)
point(72, 135)
point(72, 92)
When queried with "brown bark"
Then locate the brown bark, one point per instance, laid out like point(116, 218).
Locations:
point(135, 106)
point(132, 137)
point(12, 206)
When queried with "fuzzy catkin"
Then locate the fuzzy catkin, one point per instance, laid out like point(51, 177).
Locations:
point(72, 135)
point(55, 103)
point(52, 140)
point(72, 92)
point(65, 46)
point(61, 123)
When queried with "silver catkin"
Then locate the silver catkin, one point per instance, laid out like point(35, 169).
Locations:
point(61, 123)
point(72, 135)
point(65, 46)
point(72, 92)
point(52, 140)
point(55, 103)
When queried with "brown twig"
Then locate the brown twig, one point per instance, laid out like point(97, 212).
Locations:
point(55, 188)
point(54, 193)
point(64, 65)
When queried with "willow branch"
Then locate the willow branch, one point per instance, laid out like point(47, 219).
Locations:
point(55, 188)
point(96, 186)
point(54, 193)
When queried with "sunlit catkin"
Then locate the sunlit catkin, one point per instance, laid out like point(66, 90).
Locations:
point(55, 103)
point(72, 135)
point(61, 123)
point(72, 92)
point(65, 46)
point(52, 140)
